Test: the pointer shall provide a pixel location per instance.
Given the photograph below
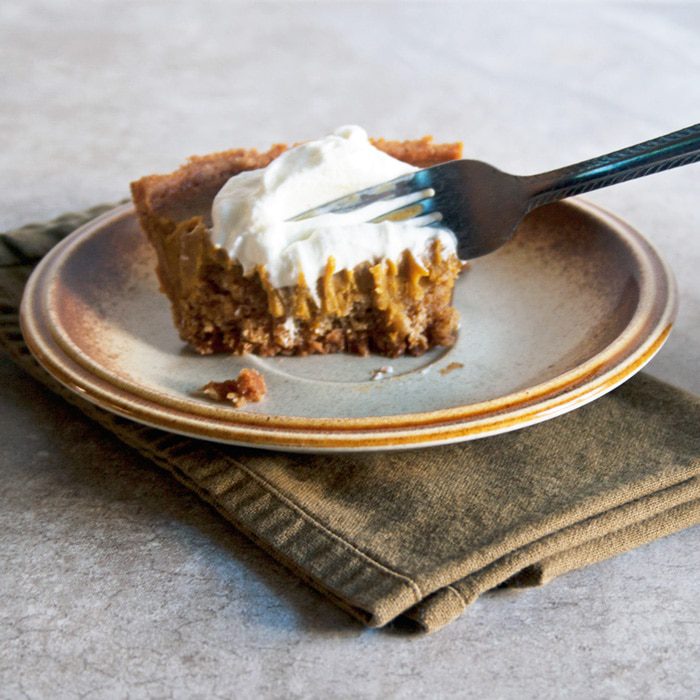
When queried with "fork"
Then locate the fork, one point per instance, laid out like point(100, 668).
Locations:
point(483, 205)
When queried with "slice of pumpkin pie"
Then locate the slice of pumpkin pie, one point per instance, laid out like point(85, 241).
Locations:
point(241, 277)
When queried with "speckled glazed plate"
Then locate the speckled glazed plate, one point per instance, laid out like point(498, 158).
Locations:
point(573, 306)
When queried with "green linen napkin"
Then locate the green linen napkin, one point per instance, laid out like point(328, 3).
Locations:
point(422, 534)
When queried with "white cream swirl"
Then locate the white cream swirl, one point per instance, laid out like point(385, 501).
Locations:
point(251, 212)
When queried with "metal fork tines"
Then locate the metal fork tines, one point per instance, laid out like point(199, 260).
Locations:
point(406, 197)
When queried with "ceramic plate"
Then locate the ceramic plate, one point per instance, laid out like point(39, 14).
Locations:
point(573, 306)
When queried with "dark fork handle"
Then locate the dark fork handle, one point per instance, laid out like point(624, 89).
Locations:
point(669, 151)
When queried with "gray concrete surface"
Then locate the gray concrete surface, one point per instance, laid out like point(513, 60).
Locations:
point(115, 581)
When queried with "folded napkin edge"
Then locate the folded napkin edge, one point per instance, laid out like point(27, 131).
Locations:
point(446, 604)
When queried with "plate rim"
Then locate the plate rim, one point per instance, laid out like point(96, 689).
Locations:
point(644, 335)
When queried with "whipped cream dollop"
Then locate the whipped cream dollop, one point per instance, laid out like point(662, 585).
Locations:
point(251, 212)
